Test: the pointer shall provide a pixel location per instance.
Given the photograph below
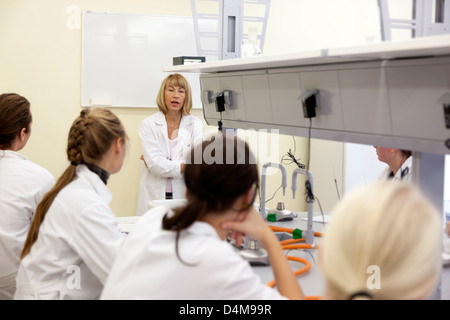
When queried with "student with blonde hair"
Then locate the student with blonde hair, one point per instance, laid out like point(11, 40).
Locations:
point(383, 242)
point(22, 185)
point(74, 237)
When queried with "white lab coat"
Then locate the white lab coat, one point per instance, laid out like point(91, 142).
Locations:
point(155, 149)
point(405, 168)
point(148, 267)
point(22, 185)
point(76, 246)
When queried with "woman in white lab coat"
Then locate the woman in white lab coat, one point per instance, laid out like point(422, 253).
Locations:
point(74, 237)
point(399, 163)
point(166, 136)
point(183, 254)
point(22, 185)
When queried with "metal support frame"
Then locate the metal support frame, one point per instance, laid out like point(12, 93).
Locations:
point(230, 27)
point(219, 32)
point(429, 17)
point(427, 173)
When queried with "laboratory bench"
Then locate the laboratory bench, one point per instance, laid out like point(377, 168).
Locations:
point(312, 282)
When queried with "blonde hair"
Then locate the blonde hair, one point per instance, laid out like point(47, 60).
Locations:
point(175, 80)
point(91, 135)
point(389, 225)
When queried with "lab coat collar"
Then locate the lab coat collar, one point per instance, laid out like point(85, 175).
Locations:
point(12, 155)
point(183, 131)
point(407, 163)
point(160, 119)
point(94, 180)
point(406, 167)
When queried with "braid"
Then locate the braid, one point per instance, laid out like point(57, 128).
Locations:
point(76, 138)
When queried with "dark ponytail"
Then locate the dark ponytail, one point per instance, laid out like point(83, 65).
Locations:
point(213, 186)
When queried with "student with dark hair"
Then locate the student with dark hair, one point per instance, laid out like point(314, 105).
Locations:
point(399, 163)
point(74, 237)
point(22, 185)
point(183, 254)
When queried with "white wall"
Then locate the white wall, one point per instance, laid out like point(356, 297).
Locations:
point(298, 25)
point(361, 165)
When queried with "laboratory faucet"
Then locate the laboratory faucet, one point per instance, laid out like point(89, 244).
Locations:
point(262, 205)
point(252, 252)
point(309, 233)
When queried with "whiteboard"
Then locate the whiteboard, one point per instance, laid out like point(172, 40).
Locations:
point(123, 56)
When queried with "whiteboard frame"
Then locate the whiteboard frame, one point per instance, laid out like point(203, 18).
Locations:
point(91, 74)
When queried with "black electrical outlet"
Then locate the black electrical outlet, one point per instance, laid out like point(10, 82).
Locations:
point(447, 115)
point(309, 106)
point(220, 103)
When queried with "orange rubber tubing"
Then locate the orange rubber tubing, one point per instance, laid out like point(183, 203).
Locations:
point(299, 246)
point(290, 241)
point(296, 272)
point(290, 230)
point(281, 229)
point(291, 244)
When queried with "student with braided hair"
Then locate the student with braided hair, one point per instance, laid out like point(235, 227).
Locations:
point(74, 237)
